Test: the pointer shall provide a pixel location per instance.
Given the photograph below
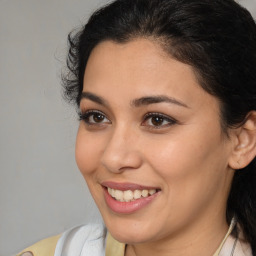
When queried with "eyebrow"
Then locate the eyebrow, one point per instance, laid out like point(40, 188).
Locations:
point(94, 98)
point(156, 99)
point(143, 101)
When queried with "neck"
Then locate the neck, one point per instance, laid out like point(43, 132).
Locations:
point(203, 240)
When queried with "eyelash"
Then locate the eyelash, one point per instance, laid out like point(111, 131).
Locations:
point(165, 119)
point(90, 113)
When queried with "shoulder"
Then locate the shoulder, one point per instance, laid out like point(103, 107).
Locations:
point(44, 247)
point(89, 238)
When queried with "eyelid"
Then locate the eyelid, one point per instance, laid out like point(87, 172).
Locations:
point(158, 114)
point(83, 113)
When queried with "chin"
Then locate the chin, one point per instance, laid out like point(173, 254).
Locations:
point(130, 238)
point(133, 233)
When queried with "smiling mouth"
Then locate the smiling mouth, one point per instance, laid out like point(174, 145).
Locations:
point(129, 195)
point(127, 198)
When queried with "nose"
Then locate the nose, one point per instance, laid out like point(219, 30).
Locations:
point(121, 152)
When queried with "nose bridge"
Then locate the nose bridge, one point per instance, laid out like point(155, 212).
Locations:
point(120, 152)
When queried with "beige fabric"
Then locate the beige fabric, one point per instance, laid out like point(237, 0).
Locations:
point(27, 254)
point(113, 247)
point(44, 247)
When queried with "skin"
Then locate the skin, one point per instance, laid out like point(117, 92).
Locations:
point(188, 159)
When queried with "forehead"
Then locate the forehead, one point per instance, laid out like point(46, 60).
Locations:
point(139, 68)
point(134, 57)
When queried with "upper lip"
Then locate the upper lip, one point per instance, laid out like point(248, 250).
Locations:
point(126, 186)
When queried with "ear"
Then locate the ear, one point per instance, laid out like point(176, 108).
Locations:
point(244, 148)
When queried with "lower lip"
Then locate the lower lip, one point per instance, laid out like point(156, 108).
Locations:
point(127, 207)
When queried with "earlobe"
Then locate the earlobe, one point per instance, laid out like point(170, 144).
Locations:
point(244, 150)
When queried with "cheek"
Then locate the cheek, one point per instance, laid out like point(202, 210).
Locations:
point(88, 151)
point(191, 172)
point(185, 162)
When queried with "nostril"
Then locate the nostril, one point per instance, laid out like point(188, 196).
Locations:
point(121, 161)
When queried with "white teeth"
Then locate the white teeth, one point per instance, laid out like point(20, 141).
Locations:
point(144, 193)
point(137, 194)
point(118, 194)
point(128, 195)
point(152, 191)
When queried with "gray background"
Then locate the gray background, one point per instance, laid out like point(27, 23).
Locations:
point(41, 190)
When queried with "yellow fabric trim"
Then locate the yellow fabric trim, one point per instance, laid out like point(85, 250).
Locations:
point(44, 247)
point(113, 247)
point(233, 222)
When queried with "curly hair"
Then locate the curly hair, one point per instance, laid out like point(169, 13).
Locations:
point(216, 37)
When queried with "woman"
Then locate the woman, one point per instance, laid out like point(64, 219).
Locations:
point(166, 92)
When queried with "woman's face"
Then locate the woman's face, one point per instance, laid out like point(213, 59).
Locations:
point(150, 145)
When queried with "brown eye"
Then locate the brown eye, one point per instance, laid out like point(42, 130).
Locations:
point(94, 117)
point(157, 120)
point(98, 118)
